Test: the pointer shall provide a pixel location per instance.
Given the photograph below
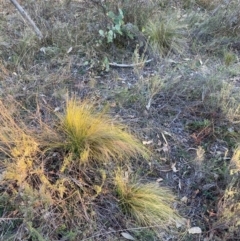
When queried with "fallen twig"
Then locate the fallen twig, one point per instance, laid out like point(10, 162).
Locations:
point(27, 17)
point(129, 65)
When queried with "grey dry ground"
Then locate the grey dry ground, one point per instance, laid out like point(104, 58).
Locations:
point(191, 139)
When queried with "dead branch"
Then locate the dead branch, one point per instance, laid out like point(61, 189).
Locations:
point(129, 65)
point(27, 18)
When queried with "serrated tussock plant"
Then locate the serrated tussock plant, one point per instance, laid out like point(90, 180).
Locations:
point(95, 136)
point(148, 203)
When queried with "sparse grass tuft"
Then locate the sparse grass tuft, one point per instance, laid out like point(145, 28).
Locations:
point(229, 57)
point(229, 206)
point(95, 136)
point(220, 27)
point(207, 4)
point(228, 99)
point(167, 35)
point(137, 11)
point(148, 204)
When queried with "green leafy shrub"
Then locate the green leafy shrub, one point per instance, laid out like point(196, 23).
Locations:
point(115, 28)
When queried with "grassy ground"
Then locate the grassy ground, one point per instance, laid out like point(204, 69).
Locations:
point(122, 122)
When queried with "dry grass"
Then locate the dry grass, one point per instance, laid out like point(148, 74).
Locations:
point(137, 12)
point(23, 179)
point(61, 29)
point(58, 178)
point(207, 4)
point(220, 26)
point(18, 144)
point(148, 203)
point(229, 98)
point(94, 136)
point(229, 206)
point(167, 34)
point(44, 181)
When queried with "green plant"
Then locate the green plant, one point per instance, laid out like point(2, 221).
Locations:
point(196, 125)
point(114, 28)
point(229, 57)
point(148, 204)
point(105, 64)
point(135, 11)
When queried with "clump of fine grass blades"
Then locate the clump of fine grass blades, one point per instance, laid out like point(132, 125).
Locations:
point(167, 35)
point(148, 203)
point(220, 27)
point(228, 99)
point(229, 209)
point(229, 57)
point(137, 11)
point(95, 136)
point(27, 156)
point(208, 4)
